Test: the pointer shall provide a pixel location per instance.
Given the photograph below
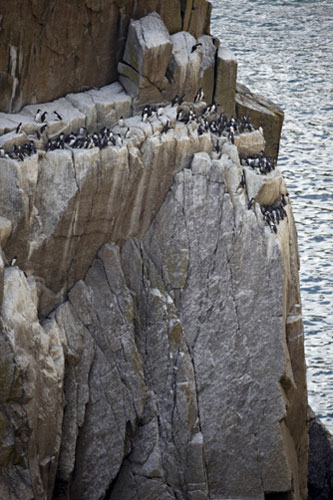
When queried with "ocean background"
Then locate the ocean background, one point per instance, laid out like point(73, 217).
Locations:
point(285, 52)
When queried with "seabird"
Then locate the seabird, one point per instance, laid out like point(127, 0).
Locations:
point(121, 122)
point(119, 140)
point(160, 111)
point(57, 115)
point(165, 128)
point(174, 100)
point(18, 128)
point(249, 205)
point(181, 100)
point(199, 95)
point(13, 261)
point(38, 116)
point(196, 46)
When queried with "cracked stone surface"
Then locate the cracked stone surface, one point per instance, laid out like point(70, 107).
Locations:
point(84, 40)
point(176, 349)
point(151, 331)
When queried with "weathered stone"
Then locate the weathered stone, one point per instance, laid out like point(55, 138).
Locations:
point(148, 48)
point(196, 15)
point(226, 75)
point(191, 222)
point(138, 87)
point(261, 112)
point(170, 12)
point(320, 478)
point(72, 118)
point(5, 230)
point(249, 143)
point(2, 266)
point(184, 68)
point(104, 381)
point(32, 371)
point(208, 66)
point(264, 189)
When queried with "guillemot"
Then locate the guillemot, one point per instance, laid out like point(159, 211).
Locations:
point(57, 115)
point(196, 46)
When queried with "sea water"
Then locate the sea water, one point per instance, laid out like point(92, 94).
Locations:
point(285, 52)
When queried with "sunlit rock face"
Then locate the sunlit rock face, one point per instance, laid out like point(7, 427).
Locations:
point(150, 326)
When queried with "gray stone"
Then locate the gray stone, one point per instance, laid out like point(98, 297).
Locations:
point(208, 64)
point(5, 230)
point(320, 476)
point(184, 68)
point(148, 48)
point(226, 75)
point(261, 112)
point(72, 118)
point(32, 402)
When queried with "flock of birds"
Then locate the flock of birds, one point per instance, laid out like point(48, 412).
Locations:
point(205, 119)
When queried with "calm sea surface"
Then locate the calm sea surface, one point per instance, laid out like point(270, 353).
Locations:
point(285, 52)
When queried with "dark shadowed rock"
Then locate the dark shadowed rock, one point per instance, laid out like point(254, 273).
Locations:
point(320, 478)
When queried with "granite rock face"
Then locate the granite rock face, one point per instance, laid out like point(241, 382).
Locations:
point(167, 358)
point(150, 320)
point(41, 43)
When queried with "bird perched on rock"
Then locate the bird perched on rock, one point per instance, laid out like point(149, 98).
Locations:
point(57, 115)
point(13, 261)
point(174, 100)
point(165, 128)
point(199, 95)
point(40, 117)
point(194, 48)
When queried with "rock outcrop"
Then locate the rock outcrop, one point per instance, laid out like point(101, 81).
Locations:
point(150, 323)
point(47, 51)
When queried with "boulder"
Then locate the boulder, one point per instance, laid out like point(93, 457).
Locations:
point(148, 48)
point(208, 66)
point(146, 58)
point(249, 143)
point(184, 68)
point(261, 112)
point(225, 84)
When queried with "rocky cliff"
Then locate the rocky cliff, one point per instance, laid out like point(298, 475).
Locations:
point(151, 329)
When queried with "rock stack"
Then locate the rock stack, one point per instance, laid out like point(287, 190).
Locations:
point(150, 326)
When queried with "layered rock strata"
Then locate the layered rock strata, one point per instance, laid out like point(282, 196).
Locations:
point(151, 331)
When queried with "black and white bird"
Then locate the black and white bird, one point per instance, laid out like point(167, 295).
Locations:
point(18, 128)
point(121, 122)
point(40, 116)
point(57, 115)
point(174, 100)
point(194, 48)
point(199, 95)
point(165, 128)
point(13, 261)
